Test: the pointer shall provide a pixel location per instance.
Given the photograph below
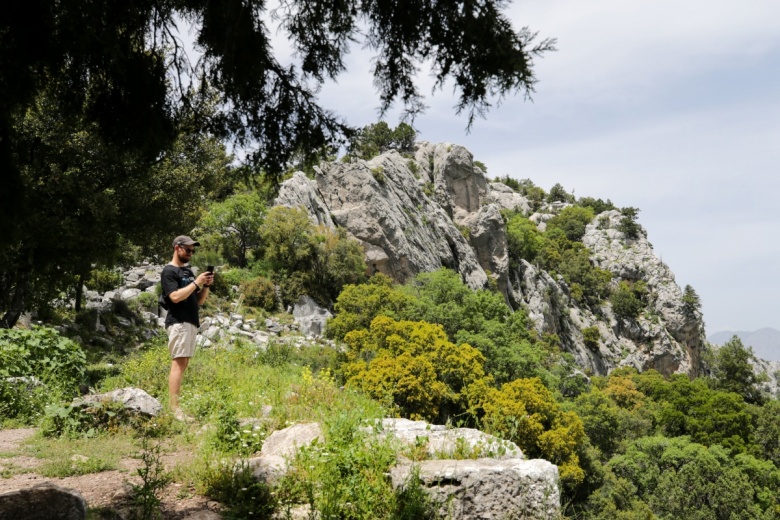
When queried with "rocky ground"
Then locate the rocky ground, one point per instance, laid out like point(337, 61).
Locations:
point(107, 489)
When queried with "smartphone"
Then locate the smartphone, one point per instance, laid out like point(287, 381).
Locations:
point(210, 269)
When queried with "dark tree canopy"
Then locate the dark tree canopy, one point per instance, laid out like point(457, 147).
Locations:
point(118, 71)
point(122, 64)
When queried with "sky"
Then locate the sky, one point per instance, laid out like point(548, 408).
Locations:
point(667, 106)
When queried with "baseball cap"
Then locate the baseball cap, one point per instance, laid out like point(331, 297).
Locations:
point(184, 240)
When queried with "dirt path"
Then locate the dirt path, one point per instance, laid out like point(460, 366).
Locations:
point(105, 489)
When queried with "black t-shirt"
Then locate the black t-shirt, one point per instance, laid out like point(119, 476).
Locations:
point(186, 311)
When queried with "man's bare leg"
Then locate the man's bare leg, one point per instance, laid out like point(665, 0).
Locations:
point(178, 366)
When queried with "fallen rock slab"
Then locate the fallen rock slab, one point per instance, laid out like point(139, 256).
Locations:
point(486, 489)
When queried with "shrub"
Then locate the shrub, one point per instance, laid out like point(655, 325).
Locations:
point(43, 353)
point(525, 412)
point(597, 205)
point(358, 305)
point(224, 281)
point(572, 221)
point(625, 301)
point(379, 175)
point(344, 476)
point(524, 240)
point(591, 336)
point(259, 292)
point(103, 280)
point(413, 367)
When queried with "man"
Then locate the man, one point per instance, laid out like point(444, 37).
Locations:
point(185, 294)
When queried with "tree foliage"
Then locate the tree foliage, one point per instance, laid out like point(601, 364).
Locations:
point(90, 201)
point(235, 225)
point(679, 478)
point(378, 138)
point(309, 259)
point(732, 371)
point(414, 367)
point(628, 224)
point(525, 412)
point(126, 67)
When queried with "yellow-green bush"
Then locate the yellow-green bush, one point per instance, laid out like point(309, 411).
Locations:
point(411, 366)
point(525, 412)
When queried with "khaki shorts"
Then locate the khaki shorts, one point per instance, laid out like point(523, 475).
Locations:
point(181, 340)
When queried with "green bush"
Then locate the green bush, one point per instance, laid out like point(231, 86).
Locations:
point(224, 281)
point(626, 301)
point(591, 336)
point(41, 352)
point(103, 280)
point(259, 292)
point(572, 221)
point(86, 421)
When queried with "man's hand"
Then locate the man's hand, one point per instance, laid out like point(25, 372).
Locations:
point(205, 279)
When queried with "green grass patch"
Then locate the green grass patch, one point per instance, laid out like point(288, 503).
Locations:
point(65, 457)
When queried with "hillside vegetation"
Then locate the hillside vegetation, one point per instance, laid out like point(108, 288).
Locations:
point(629, 444)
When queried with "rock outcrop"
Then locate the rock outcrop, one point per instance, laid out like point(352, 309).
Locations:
point(486, 489)
point(499, 485)
point(436, 209)
point(132, 399)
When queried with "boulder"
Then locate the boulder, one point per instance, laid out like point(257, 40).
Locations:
point(486, 489)
point(129, 294)
point(42, 502)
point(507, 198)
point(133, 399)
point(310, 317)
point(442, 442)
point(281, 446)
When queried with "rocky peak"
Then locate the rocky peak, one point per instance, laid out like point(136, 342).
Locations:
point(436, 209)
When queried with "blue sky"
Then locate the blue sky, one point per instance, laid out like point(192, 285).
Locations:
point(671, 107)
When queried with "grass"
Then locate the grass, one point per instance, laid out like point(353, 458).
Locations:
point(343, 476)
point(64, 457)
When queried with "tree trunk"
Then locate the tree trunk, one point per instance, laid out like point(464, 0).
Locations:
point(79, 291)
point(16, 307)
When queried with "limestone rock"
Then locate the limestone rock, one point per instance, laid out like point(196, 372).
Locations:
point(486, 489)
point(133, 399)
point(437, 209)
point(300, 191)
point(442, 442)
point(381, 204)
point(42, 502)
point(310, 317)
point(279, 447)
point(507, 198)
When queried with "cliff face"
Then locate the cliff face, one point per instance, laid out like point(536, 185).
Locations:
point(437, 209)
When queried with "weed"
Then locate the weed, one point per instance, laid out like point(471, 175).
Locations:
point(146, 496)
point(236, 488)
point(379, 175)
point(413, 502)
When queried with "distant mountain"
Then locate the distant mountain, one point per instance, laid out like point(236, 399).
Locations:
point(765, 342)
